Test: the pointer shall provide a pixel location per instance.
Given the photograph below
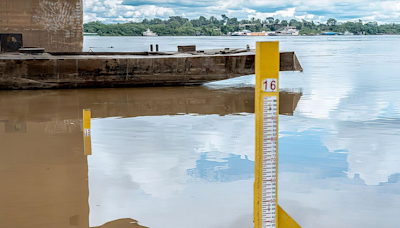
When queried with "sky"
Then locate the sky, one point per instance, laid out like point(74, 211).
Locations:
point(114, 11)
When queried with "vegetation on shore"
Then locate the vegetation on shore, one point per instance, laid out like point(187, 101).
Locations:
point(179, 26)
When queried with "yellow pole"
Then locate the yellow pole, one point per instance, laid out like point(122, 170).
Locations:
point(267, 213)
point(87, 134)
point(267, 110)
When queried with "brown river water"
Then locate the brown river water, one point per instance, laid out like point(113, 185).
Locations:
point(183, 157)
point(48, 180)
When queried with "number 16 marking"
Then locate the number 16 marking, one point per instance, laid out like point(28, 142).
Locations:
point(270, 85)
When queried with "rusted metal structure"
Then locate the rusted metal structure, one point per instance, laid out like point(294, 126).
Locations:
point(94, 70)
point(56, 25)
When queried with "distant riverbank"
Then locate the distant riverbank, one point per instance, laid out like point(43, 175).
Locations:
point(230, 35)
point(179, 26)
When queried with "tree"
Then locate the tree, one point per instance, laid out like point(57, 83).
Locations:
point(156, 21)
point(232, 21)
point(188, 24)
point(331, 22)
point(202, 20)
point(293, 22)
point(284, 23)
point(175, 24)
point(179, 19)
point(214, 21)
point(224, 18)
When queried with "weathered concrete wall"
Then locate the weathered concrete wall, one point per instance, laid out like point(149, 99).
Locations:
point(56, 25)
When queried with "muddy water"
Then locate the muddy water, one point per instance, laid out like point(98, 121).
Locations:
point(168, 156)
point(184, 157)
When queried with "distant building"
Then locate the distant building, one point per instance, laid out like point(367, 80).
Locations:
point(56, 25)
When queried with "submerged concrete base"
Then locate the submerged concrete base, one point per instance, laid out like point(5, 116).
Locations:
point(18, 71)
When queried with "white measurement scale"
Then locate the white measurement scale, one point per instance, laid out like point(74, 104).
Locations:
point(269, 147)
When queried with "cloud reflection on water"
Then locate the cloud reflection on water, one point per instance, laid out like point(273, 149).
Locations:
point(186, 153)
point(339, 165)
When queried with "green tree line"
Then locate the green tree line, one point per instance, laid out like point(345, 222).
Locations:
point(179, 26)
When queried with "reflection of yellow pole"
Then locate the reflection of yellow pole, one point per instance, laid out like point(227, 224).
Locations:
point(267, 213)
point(87, 134)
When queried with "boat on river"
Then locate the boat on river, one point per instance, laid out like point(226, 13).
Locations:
point(148, 32)
point(242, 33)
point(347, 33)
point(329, 33)
point(286, 31)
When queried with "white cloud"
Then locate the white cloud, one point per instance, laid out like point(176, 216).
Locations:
point(287, 13)
point(343, 10)
point(111, 11)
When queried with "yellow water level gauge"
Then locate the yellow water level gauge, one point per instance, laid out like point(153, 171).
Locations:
point(267, 213)
point(87, 135)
